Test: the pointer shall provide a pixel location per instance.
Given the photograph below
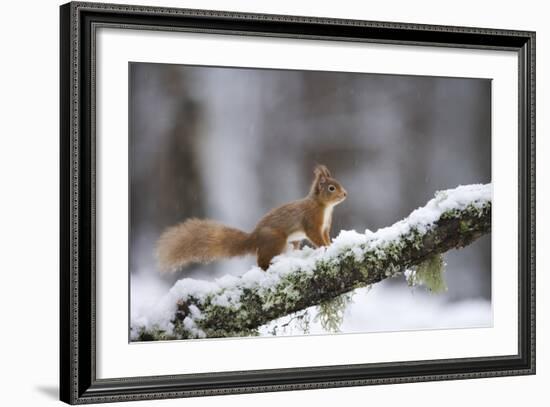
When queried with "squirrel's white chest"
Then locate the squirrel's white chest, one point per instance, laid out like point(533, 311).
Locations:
point(327, 217)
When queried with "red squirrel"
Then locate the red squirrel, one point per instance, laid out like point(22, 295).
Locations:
point(202, 241)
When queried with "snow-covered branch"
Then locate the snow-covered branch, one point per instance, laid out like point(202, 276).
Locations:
point(237, 306)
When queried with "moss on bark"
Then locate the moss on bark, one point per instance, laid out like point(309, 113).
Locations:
point(330, 279)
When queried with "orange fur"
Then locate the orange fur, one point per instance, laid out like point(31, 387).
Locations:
point(202, 241)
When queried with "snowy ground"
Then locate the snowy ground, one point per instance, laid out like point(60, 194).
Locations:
point(390, 307)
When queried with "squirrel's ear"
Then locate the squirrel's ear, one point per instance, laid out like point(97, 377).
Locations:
point(320, 179)
point(322, 170)
point(319, 182)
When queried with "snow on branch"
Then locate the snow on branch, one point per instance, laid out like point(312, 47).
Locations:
point(237, 306)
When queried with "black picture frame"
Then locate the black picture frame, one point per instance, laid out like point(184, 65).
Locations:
point(78, 382)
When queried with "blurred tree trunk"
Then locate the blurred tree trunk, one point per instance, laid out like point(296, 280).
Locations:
point(165, 181)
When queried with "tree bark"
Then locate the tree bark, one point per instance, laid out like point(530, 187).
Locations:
point(297, 290)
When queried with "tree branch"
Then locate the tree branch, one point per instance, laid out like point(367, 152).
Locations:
point(237, 306)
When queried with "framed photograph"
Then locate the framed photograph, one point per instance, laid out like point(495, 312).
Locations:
point(256, 203)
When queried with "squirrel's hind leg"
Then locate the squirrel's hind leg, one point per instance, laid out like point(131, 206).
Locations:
point(270, 244)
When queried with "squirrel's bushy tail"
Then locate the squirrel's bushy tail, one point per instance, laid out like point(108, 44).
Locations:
point(200, 241)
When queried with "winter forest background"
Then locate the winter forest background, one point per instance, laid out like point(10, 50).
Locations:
point(232, 143)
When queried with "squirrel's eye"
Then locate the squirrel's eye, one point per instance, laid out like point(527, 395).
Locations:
point(331, 188)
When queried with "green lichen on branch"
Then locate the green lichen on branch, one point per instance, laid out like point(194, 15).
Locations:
point(429, 273)
point(331, 312)
point(240, 308)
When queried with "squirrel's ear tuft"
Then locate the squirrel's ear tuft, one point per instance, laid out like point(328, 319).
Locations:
point(321, 175)
point(322, 170)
